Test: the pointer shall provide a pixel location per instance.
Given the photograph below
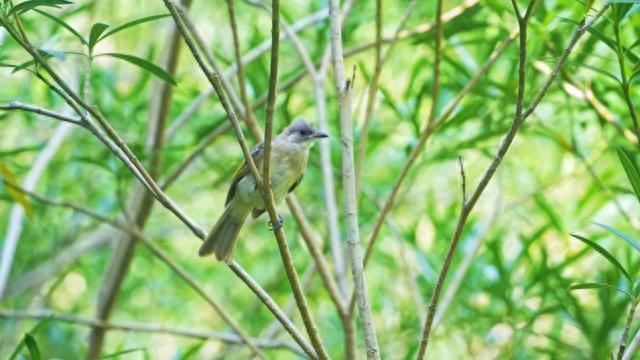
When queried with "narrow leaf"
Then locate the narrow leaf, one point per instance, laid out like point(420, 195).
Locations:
point(631, 241)
point(96, 30)
point(16, 195)
point(149, 66)
point(32, 4)
point(630, 168)
point(63, 24)
point(604, 253)
point(32, 346)
point(597, 285)
point(132, 23)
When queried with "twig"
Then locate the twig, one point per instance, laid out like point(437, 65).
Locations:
point(344, 88)
point(627, 328)
point(15, 105)
point(519, 118)
point(143, 327)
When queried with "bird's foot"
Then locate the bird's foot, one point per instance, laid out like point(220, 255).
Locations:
point(278, 226)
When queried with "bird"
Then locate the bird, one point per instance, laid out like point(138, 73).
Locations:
point(289, 154)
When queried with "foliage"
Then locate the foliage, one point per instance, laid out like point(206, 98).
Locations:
point(531, 290)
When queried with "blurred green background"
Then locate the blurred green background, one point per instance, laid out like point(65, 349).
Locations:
point(561, 173)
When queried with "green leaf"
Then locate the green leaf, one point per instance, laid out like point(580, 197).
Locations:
point(32, 4)
point(597, 285)
point(632, 171)
point(149, 66)
point(604, 253)
point(631, 241)
point(132, 23)
point(16, 195)
point(32, 346)
point(63, 24)
point(96, 30)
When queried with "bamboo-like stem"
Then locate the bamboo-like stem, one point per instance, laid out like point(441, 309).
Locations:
point(344, 88)
point(627, 327)
point(145, 327)
point(519, 117)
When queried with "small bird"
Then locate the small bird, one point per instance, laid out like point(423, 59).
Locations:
point(289, 153)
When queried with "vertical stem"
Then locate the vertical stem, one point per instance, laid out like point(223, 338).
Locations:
point(344, 88)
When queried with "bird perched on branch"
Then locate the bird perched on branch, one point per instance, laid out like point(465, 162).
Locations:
point(289, 153)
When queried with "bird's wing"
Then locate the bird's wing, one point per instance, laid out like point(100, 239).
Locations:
point(295, 184)
point(243, 170)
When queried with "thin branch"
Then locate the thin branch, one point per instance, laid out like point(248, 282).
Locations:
point(147, 328)
point(15, 105)
point(519, 117)
point(344, 88)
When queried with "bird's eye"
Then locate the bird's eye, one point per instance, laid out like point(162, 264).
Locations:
point(305, 132)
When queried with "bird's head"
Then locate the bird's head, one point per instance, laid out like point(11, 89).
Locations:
point(302, 133)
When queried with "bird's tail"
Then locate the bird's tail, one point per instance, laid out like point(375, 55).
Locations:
point(222, 238)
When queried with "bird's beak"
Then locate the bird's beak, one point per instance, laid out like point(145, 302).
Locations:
point(319, 135)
